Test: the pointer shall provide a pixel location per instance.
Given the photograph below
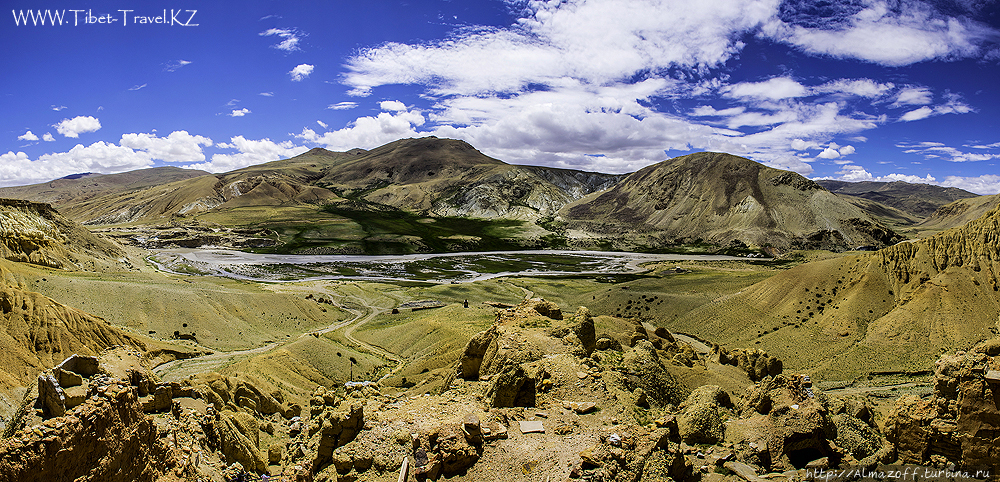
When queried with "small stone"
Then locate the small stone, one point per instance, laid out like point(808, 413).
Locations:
point(531, 426)
point(581, 375)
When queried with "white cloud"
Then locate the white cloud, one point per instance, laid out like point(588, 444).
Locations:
point(290, 38)
point(913, 96)
point(368, 132)
point(300, 72)
point(322, 124)
point(267, 94)
point(772, 89)
point(847, 150)
point(251, 152)
point(801, 145)
point(27, 136)
point(392, 105)
point(938, 150)
point(600, 41)
point(239, 112)
point(172, 66)
point(883, 32)
point(985, 184)
point(829, 153)
point(917, 114)
point(77, 125)
point(48, 137)
point(709, 111)
point(101, 157)
point(859, 87)
point(58, 108)
point(342, 106)
point(137, 87)
point(179, 146)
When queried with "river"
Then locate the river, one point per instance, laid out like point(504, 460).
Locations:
point(434, 268)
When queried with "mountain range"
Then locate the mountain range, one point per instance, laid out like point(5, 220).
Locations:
point(408, 195)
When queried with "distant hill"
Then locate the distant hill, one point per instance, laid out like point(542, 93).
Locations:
point(919, 200)
point(891, 311)
point(724, 199)
point(77, 188)
point(960, 212)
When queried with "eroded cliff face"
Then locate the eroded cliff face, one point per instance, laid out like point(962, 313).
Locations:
point(974, 247)
point(960, 423)
point(37, 234)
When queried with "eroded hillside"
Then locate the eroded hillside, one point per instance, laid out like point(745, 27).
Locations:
point(894, 310)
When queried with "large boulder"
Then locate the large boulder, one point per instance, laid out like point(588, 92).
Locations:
point(644, 369)
point(702, 415)
point(475, 350)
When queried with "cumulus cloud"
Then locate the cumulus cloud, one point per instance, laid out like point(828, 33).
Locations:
point(250, 152)
point(829, 153)
point(300, 72)
point(938, 150)
point(179, 146)
point(239, 112)
point(102, 157)
point(985, 184)
point(368, 132)
point(48, 137)
point(27, 136)
point(392, 105)
point(772, 89)
point(602, 41)
point(913, 96)
point(290, 38)
point(77, 125)
point(917, 114)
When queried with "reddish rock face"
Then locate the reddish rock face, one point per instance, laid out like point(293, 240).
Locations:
point(960, 424)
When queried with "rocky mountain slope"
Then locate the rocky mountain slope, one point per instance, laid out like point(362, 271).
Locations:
point(724, 199)
point(894, 310)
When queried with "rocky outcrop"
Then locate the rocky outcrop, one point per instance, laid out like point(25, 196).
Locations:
point(783, 426)
point(960, 423)
point(756, 363)
point(236, 436)
point(106, 438)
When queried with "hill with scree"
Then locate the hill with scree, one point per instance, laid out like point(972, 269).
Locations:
point(891, 311)
point(723, 199)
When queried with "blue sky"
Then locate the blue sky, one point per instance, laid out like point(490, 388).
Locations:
point(855, 90)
